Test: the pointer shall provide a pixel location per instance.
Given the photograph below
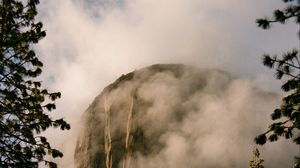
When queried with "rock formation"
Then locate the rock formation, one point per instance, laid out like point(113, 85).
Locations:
point(171, 115)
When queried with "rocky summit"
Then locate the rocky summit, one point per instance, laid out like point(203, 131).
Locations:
point(171, 115)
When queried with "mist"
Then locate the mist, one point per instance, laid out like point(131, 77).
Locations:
point(89, 44)
point(171, 115)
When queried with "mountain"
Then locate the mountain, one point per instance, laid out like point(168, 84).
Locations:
point(172, 115)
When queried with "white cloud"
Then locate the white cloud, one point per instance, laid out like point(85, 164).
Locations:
point(88, 46)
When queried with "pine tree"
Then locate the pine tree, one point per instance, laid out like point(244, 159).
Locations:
point(256, 162)
point(287, 66)
point(24, 103)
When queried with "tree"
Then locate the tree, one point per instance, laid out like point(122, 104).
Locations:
point(256, 162)
point(24, 103)
point(287, 117)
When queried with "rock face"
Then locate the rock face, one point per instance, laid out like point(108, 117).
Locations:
point(172, 116)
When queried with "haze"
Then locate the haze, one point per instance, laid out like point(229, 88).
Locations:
point(91, 43)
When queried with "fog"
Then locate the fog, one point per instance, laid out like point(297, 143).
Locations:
point(176, 116)
point(89, 44)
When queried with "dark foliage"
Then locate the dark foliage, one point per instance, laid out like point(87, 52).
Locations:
point(256, 162)
point(23, 101)
point(287, 69)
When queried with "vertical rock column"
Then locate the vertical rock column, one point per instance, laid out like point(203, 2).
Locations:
point(126, 162)
point(107, 136)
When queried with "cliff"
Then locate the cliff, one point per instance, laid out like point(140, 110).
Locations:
point(171, 116)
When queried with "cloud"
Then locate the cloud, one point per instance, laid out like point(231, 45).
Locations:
point(181, 117)
point(91, 43)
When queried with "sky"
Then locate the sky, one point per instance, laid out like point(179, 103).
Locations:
point(91, 43)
